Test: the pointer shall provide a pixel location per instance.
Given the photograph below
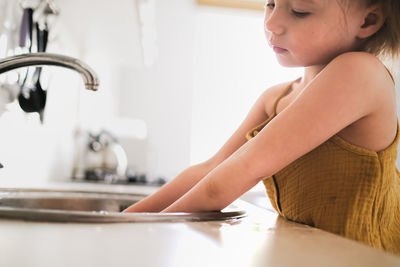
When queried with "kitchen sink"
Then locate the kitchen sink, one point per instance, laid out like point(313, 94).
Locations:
point(93, 207)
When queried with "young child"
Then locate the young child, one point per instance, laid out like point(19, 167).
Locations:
point(324, 145)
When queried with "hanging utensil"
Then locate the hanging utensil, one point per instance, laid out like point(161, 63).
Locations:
point(26, 37)
point(32, 98)
point(38, 94)
point(26, 42)
point(26, 31)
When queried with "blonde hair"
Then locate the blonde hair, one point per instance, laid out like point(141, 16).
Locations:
point(385, 42)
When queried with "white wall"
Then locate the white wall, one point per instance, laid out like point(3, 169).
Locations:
point(233, 67)
point(161, 95)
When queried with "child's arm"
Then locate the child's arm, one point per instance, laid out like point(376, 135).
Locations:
point(175, 189)
point(344, 92)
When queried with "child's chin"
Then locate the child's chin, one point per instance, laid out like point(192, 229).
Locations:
point(288, 64)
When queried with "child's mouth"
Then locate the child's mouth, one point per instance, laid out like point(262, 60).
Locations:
point(278, 50)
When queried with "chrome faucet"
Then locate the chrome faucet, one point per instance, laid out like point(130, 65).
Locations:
point(38, 59)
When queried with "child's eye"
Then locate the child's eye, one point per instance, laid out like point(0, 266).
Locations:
point(270, 5)
point(300, 14)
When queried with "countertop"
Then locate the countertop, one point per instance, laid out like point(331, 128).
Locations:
point(260, 239)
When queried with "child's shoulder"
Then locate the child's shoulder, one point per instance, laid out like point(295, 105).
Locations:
point(357, 58)
point(364, 79)
point(360, 65)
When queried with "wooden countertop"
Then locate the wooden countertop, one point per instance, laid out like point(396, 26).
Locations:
point(260, 239)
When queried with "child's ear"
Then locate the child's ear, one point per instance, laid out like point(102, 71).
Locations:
point(373, 21)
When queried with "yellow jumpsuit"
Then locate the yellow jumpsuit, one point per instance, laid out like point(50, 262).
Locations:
point(341, 188)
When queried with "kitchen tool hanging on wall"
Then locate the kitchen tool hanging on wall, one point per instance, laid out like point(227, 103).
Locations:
point(34, 26)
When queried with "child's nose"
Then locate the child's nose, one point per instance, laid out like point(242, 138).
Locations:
point(273, 23)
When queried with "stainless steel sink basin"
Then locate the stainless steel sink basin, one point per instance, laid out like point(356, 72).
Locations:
point(87, 206)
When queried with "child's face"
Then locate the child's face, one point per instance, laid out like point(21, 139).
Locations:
point(311, 32)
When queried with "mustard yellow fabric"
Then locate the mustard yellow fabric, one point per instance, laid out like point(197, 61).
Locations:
point(341, 188)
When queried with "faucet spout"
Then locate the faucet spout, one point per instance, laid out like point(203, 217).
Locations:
point(37, 59)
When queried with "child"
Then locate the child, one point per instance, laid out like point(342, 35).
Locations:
point(324, 145)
